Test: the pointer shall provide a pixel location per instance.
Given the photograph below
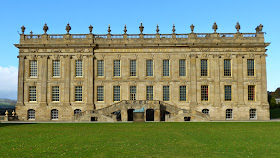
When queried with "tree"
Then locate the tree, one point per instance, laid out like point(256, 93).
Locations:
point(272, 103)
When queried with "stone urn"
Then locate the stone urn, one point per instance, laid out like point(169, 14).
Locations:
point(138, 117)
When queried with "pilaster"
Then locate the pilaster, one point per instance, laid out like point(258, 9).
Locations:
point(20, 97)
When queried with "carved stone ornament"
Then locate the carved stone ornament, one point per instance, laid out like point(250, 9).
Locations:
point(141, 28)
point(237, 26)
point(22, 29)
point(79, 56)
point(192, 27)
point(45, 28)
point(173, 29)
point(13, 113)
point(6, 113)
point(90, 29)
point(125, 30)
point(68, 28)
point(109, 29)
point(260, 27)
point(157, 30)
point(56, 57)
point(33, 57)
point(215, 27)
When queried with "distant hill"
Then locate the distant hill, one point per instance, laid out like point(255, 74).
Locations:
point(7, 104)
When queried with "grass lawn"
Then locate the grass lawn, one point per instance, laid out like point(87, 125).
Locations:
point(215, 139)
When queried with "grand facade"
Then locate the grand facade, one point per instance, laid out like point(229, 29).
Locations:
point(174, 77)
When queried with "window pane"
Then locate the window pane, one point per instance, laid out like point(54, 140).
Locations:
point(204, 68)
point(182, 67)
point(77, 111)
point(100, 68)
point(227, 67)
point(54, 114)
point(100, 93)
point(150, 92)
point(253, 113)
point(32, 94)
point(165, 67)
point(205, 111)
point(56, 68)
point(165, 93)
point(55, 93)
point(132, 92)
point(229, 114)
point(117, 93)
point(33, 68)
point(78, 93)
point(251, 67)
point(79, 68)
point(31, 114)
point(204, 93)
point(183, 93)
point(227, 93)
point(132, 67)
point(149, 68)
point(117, 66)
point(251, 93)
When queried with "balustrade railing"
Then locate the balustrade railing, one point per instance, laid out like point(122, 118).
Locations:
point(33, 36)
point(56, 36)
point(79, 36)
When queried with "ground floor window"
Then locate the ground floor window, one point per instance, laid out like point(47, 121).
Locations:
point(54, 114)
point(77, 111)
point(253, 114)
point(229, 114)
point(31, 114)
point(205, 111)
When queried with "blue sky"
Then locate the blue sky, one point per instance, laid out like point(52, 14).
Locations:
point(33, 14)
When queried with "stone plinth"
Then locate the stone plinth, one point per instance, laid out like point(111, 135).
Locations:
point(138, 117)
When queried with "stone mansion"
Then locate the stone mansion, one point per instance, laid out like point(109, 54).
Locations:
point(174, 77)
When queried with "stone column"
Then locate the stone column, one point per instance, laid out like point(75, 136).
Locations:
point(43, 65)
point(124, 115)
point(90, 74)
point(240, 86)
point(193, 78)
point(20, 97)
point(263, 78)
point(216, 67)
point(157, 115)
point(67, 77)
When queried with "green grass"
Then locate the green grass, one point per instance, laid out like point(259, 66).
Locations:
point(215, 139)
point(275, 113)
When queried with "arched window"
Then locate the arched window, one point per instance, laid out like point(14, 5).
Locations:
point(253, 114)
point(205, 111)
point(229, 114)
point(31, 114)
point(54, 114)
point(77, 111)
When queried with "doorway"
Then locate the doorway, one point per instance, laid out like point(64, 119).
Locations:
point(130, 114)
point(150, 115)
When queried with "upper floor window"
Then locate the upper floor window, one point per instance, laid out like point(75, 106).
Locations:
point(205, 111)
point(100, 93)
point(132, 67)
point(117, 68)
point(78, 93)
point(32, 93)
point(165, 67)
point(132, 92)
point(149, 68)
point(55, 93)
point(182, 67)
point(227, 93)
point(79, 68)
point(165, 93)
point(117, 93)
point(229, 114)
point(227, 67)
point(150, 92)
point(100, 67)
point(183, 93)
point(251, 93)
point(204, 93)
point(251, 67)
point(56, 68)
point(253, 114)
point(204, 67)
point(33, 68)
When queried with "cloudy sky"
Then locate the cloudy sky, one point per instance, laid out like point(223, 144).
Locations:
point(33, 14)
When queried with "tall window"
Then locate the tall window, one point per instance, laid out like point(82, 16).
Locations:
point(205, 111)
point(132, 92)
point(149, 68)
point(33, 68)
point(79, 68)
point(32, 93)
point(165, 93)
point(55, 93)
point(182, 67)
point(227, 67)
point(117, 68)
point(100, 93)
point(204, 67)
point(56, 68)
point(204, 93)
point(227, 93)
point(251, 93)
point(100, 67)
point(117, 93)
point(251, 67)
point(150, 92)
point(229, 114)
point(183, 93)
point(165, 66)
point(77, 111)
point(253, 114)
point(132, 67)
point(54, 114)
point(31, 114)
point(78, 93)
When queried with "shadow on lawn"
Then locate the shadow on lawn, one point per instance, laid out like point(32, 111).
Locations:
point(13, 124)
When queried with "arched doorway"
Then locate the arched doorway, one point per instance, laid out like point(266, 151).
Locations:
point(150, 115)
point(130, 114)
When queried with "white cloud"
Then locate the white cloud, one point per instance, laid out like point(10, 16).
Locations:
point(8, 82)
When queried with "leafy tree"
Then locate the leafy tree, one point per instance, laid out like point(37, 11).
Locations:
point(272, 103)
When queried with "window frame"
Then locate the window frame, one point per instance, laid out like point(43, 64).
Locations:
point(56, 70)
point(253, 112)
point(77, 68)
point(166, 68)
point(54, 114)
point(151, 69)
point(100, 70)
point(205, 111)
point(31, 67)
point(225, 93)
point(115, 97)
point(202, 93)
point(29, 96)
point(75, 111)
point(31, 116)
point(164, 94)
point(131, 68)
point(254, 93)
point(98, 95)
point(78, 96)
point(115, 68)
point(182, 67)
point(149, 95)
point(229, 112)
point(202, 71)
point(180, 93)
point(227, 72)
point(250, 70)
point(132, 96)
point(55, 94)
